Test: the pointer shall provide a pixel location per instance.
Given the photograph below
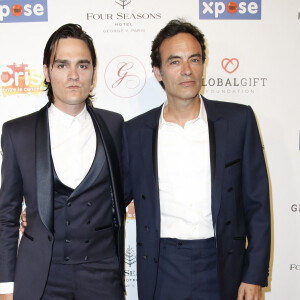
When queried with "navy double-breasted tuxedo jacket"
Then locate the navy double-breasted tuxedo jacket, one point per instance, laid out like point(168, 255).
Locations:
point(27, 172)
point(240, 196)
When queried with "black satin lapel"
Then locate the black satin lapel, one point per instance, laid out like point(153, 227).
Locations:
point(220, 131)
point(154, 153)
point(212, 148)
point(112, 161)
point(44, 176)
point(96, 167)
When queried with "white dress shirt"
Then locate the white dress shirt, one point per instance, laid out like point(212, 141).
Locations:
point(73, 145)
point(73, 148)
point(6, 287)
point(185, 178)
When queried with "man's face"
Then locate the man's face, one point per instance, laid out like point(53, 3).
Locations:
point(71, 73)
point(181, 67)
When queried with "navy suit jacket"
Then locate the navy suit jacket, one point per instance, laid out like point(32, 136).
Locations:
point(27, 172)
point(240, 196)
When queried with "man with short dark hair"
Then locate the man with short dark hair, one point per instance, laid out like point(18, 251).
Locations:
point(64, 160)
point(196, 171)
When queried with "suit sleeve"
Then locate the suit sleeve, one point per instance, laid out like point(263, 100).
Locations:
point(11, 197)
point(255, 185)
point(126, 169)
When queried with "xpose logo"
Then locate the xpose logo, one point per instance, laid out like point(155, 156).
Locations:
point(23, 11)
point(230, 10)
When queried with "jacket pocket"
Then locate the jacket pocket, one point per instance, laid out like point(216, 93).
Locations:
point(103, 227)
point(239, 238)
point(28, 236)
point(233, 162)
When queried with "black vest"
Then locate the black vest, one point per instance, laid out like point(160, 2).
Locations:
point(83, 230)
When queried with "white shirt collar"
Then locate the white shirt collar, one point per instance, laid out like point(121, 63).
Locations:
point(202, 114)
point(66, 119)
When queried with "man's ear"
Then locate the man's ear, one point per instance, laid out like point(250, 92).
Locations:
point(157, 73)
point(94, 77)
point(46, 73)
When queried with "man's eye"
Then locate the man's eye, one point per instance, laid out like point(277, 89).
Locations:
point(83, 67)
point(61, 66)
point(174, 62)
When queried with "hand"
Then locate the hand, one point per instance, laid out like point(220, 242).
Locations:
point(23, 223)
point(249, 292)
point(6, 296)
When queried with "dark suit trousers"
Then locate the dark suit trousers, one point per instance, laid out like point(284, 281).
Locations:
point(187, 270)
point(87, 281)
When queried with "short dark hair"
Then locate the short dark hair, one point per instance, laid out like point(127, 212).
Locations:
point(66, 31)
point(171, 29)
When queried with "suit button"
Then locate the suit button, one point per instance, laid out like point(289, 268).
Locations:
point(230, 251)
point(139, 244)
point(68, 222)
point(145, 257)
point(155, 260)
point(49, 238)
point(67, 258)
point(230, 189)
point(147, 228)
point(228, 222)
point(179, 243)
point(143, 197)
point(89, 203)
point(88, 222)
point(87, 241)
point(68, 241)
point(69, 203)
point(86, 258)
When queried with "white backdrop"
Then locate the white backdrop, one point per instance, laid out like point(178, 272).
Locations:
point(251, 61)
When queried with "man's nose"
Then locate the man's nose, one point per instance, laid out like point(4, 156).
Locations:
point(73, 73)
point(186, 69)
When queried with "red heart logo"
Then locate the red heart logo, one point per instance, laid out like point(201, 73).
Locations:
point(230, 65)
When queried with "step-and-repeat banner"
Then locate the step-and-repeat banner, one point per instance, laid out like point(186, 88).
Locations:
point(253, 58)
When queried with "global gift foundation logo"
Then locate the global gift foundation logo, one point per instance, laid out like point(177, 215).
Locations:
point(125, 76)
point(19, 79)
point(230, 64)
point(23, 11)
point(295, 208)
point(230, 82)
point(230, 10)
point(294, 267)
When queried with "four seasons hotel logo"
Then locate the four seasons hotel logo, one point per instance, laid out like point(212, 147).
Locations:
point(123, 3)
